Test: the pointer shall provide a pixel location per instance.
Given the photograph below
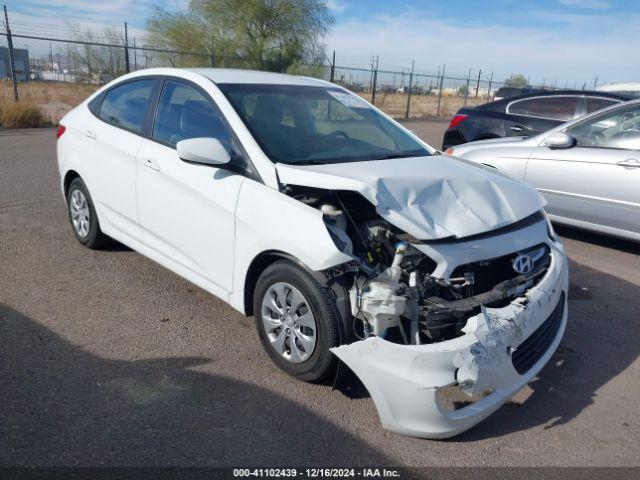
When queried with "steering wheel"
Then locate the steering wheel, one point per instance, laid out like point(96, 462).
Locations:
point(628, 122)
point(339, 133)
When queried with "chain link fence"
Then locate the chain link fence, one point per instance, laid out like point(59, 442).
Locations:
point(56, 72)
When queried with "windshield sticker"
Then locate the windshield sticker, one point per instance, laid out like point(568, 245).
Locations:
point(348, 100)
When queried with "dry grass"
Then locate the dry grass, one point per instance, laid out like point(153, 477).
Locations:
point(52, 100)
point(44, 103)
point(22, 114)
point(395, 104)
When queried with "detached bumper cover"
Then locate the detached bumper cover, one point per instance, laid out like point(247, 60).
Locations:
point(404, 380)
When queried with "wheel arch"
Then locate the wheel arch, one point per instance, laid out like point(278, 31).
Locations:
point(69, 177)
point(258, 265)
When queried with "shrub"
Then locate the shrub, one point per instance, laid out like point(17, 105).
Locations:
point(21, 114)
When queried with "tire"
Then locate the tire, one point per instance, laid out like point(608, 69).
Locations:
point(83, 217)
point(320, 364)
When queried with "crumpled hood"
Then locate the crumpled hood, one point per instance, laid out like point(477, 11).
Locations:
point(427, 197)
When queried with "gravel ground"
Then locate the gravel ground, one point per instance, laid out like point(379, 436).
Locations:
point(109, 359)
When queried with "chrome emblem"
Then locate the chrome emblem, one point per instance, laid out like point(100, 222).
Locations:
point(522, 264)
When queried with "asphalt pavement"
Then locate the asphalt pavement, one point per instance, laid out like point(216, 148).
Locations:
point(107, 358)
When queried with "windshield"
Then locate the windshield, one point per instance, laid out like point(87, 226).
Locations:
point(302, 125)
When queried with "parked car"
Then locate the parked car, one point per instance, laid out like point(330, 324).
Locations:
point(587, 169)
point(525, 115)
point(340, 231)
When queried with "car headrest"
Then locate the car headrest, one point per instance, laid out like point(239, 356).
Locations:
point(268, 110)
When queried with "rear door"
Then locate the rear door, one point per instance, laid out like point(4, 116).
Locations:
point(598, 180)
point(116, 135)
point(534, 115)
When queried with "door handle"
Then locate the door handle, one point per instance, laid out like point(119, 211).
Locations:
point(90, 134)
point(629, 163)
point(151, 164)
point(516, 128)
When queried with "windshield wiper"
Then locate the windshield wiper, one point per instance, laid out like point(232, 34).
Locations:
point(306, 162)
point(389, 156)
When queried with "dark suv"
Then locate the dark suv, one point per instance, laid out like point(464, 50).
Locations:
point(525, 115)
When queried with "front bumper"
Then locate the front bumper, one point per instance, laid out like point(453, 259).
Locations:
point(404, 380)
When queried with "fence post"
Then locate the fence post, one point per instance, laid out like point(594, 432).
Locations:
point(374, 81)
point(12, 65)
point(135, 55)
point(466, 90)
point(440, 91)
point(490, 82)
point(478, 82)
point(127, 66)
point(413, 64)
point(333, 68)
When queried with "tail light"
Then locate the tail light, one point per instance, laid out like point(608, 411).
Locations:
point(60, 131)
point(457, 118)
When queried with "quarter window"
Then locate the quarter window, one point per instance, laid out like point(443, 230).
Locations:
point(126, 105)
point(556, 108)
point(595, 104)
point(183, 113)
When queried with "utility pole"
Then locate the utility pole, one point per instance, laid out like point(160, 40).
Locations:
point(413, 64)
point(12, 63)
point(127, 66)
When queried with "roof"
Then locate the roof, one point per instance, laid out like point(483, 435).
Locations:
point(230, 75)
point(554, 93)
point(620, 87)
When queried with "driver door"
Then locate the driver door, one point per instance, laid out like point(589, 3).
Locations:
point(598, 180)
point(187, 211)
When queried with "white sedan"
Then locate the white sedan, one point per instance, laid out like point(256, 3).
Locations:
point(587, 169)
point(344, 234)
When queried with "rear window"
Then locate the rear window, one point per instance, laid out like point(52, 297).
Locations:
point(125, 106)
point(556, 108)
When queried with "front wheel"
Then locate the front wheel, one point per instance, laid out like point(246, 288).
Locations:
point(297, 321)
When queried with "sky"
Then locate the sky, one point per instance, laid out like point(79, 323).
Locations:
point(550, 40)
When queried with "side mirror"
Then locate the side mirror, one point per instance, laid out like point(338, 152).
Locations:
point(559, 140)
point(204, 150)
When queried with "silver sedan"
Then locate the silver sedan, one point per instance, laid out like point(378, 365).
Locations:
point(588, 169)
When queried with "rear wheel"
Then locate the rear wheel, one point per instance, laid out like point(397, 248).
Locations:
point(82, 215)
point(297, 321)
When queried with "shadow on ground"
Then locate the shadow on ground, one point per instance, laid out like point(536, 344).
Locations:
point(64, 406)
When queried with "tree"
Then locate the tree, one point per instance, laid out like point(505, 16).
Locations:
point(265, 34)
point(516, 80)
point(463, 90)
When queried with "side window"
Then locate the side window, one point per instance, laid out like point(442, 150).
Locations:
point(617, 129)
point(126, 105)
point(556, 108)
point(594, 104)
point(183, 113)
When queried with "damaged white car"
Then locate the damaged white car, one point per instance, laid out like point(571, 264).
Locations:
point(344, 234)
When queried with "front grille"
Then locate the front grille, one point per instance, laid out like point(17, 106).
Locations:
point(489, 273)
point(534, 347)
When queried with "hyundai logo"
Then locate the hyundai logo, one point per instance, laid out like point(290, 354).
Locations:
point(522, 264)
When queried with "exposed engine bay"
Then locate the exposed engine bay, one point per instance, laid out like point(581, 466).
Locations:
point(393, 287)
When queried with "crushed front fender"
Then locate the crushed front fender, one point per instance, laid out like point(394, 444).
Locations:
point(404, 380)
